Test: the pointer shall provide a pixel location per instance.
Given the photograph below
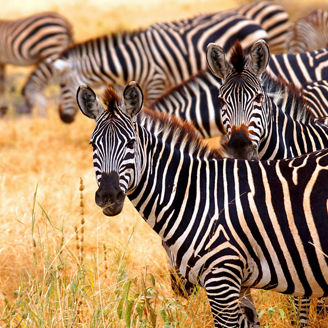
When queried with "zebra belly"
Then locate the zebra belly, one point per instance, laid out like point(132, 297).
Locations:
point(303, 283)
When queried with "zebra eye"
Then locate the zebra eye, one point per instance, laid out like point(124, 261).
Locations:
point(130, 143)
point(258, 98)
point(221, 102)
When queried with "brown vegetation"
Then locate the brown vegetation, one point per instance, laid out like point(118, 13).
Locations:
point(62, 263)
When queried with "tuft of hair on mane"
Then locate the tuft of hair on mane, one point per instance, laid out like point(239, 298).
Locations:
point(110, 98)
point(238, 58)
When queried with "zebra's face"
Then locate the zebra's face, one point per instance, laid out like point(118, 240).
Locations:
point(245, 116)
point(245, 111)
point(114, 141)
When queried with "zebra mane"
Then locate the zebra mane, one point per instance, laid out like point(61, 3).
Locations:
point(110, 99)
point(238, 57)
point(172, 128)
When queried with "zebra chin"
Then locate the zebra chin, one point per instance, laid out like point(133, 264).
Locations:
point(248, 153)
point(239, 145)
point(113, 209)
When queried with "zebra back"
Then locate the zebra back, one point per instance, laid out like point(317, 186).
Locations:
point(31, 39)
point(301, 68)
point(273, 18)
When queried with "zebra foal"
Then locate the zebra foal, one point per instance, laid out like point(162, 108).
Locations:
point(256, 224)
point(32, 40)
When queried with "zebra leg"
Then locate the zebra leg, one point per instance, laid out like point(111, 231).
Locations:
point(231, 306)
point(248, 307)
point(3, 104)
point(179, 284)
point(302, 306)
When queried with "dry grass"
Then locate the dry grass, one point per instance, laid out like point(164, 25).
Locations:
point(46, 279)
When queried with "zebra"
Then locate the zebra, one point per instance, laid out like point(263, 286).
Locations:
point(159, 56)
point(238, 236)
point(32, 40)
point(249, 118)
point(308, 33)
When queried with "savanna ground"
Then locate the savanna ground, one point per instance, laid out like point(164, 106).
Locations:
point(62, 263)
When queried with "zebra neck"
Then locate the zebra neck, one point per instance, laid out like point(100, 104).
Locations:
point(169, 182)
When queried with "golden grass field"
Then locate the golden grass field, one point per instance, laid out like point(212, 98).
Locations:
point(62, 262)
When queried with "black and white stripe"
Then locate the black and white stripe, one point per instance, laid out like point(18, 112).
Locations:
point(228, 223)
point(316, 97)
point(247, 107)
point(160, 56)
point(300, 69)
point(33, 40)
point(273, 19)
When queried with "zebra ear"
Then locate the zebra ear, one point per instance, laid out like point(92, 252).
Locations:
point(61, 66)
point(216, 60)
point(133, 98)
point(260, 55)
point(88, 102)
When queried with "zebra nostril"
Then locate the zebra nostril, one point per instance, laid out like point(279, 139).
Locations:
point(120, 196)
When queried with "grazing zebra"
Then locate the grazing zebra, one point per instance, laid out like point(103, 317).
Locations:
point(308, 33)
point(32, 40)
point(160, 56)
point(250, 119)
point(238, 235)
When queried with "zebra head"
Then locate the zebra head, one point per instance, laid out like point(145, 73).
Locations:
point(69, 83)
point(114, 142)
point(245, 111)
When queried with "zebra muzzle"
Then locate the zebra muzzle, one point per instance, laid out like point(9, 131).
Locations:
point(109, 195)
point(239, 145)
point(67, 116)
